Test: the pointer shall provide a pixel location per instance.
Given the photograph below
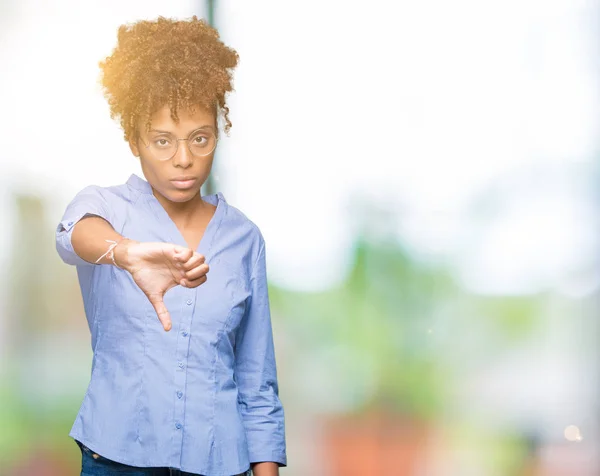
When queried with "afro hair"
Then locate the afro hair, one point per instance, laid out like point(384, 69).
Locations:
point(177, 63)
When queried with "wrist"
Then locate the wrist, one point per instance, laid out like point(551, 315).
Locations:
point(121, 253)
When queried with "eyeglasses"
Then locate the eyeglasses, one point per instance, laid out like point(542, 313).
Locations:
point(163, 145)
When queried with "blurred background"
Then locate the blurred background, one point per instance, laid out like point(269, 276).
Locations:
point(425, 175)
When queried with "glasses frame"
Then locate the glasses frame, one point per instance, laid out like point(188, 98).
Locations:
point(147, 147)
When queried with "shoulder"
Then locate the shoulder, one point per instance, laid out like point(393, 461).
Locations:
point(240, 219)
point(113, 203)
point(111, 194)
point(244, 226)
point(241, 236)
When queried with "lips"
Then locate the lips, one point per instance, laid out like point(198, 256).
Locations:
point(184, 182)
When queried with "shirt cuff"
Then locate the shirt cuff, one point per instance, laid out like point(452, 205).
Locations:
point(278, 457)
point(64, 245)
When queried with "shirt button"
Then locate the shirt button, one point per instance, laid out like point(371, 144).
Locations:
point(189, 302)
point(178, 426)
point(184, 333)
point(180, 365)
point(70, 223)
point(179, 394)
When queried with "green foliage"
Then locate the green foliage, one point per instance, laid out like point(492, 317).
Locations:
point(385, 333)
point(379, 318)
point(31, 423)
point(514, 317)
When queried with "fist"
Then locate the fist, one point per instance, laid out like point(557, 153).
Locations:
point(158, 267)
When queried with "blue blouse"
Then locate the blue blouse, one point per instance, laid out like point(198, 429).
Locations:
point(202, 397)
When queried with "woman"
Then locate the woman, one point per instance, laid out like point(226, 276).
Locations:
point(183, 374)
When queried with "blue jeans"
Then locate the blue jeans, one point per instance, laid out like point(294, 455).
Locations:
point(92, 464)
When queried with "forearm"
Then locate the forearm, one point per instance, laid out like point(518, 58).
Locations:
point(89, 239)
point(265, 469)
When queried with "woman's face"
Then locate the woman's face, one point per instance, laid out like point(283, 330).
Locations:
point(179, 178)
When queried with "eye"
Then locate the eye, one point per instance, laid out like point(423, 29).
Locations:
point(161, 142)
point(199, 140)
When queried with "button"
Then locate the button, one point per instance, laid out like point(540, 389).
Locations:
point(179, 394)
point(180, 365)
point(189, 302)
point(70, 223)
point(178, 426)
point(184, 333)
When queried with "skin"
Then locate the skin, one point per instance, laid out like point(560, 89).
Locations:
point(185, 207)
point(158, 267)
point(155, 267)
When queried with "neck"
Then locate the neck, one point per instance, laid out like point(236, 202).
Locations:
point(182, 213)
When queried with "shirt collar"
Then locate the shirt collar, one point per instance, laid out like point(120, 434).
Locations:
point(141, 185)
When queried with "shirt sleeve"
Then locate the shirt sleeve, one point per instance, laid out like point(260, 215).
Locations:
point(256, 375)
point(91, 200)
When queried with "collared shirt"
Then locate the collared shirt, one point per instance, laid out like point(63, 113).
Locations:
point(202, 397)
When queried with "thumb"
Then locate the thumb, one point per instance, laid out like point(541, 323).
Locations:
point(161, 310)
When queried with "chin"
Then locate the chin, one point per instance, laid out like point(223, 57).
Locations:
point(181, 196)
point(177, 195)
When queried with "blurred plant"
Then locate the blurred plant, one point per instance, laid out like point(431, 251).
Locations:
point(373, 335)
point(388, 337)
point(41, 382)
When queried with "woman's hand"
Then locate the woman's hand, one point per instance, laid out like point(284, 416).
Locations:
point(158, 267)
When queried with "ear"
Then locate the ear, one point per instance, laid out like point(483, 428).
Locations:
point(133, 146)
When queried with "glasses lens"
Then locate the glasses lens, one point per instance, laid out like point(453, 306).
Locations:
point(163, 146)
point(202, 143)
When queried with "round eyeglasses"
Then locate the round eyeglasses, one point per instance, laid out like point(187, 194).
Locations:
point(163, 145)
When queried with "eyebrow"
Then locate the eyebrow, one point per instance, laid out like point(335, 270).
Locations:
point(191, 132)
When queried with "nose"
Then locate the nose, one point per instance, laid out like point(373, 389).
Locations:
point(182, 158)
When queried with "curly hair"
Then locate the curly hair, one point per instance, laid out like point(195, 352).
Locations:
point(177, 63)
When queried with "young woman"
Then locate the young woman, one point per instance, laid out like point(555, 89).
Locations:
point(183, 374)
